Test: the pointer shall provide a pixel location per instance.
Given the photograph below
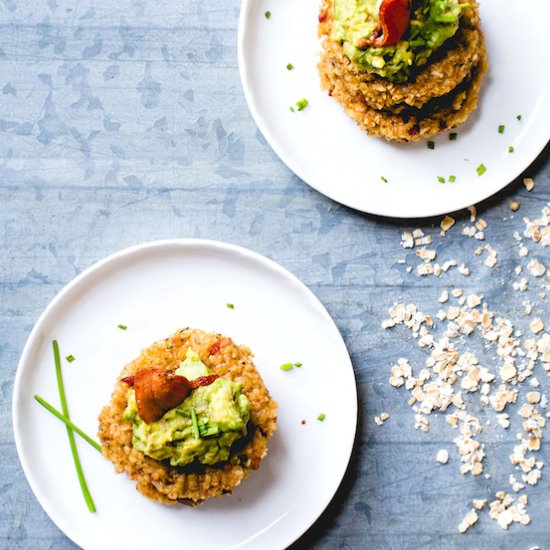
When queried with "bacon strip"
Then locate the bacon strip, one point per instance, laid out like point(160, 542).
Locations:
point(394, 17)
point(158, 391)
point(218, 345)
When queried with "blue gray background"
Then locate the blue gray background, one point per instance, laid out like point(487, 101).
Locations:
point(124, 122)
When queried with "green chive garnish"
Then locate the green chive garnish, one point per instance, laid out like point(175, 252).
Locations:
point(267, 14)
point(481, 170)
point(452, 179)
point(292, 109)
point(68, 423)
point(289, 66)
point(70, 433)
point(440, 179)
point(196, 432)
point(453, 136)
point(321, 417)
point(122, 327)
point(230, 306)
point(501, 129)
point(210, 432)
point(510, 149)
point(302, 104)
point(518, 117)
point(431, 145)
point(286, 366)
point(298, 365)
point(384, 179)
point(70, 358)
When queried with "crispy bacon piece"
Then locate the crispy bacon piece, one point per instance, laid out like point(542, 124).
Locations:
point(202, 381)
point(394, 17)
point(158, 391)
point(218, 345)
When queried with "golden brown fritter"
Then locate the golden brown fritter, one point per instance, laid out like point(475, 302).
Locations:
point(440, 95)
point(193, 485)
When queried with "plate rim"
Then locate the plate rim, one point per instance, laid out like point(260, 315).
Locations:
point(426, 212)
point(184, 243)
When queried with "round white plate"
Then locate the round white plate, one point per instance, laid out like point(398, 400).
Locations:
point(155, 289)
point(325, 148)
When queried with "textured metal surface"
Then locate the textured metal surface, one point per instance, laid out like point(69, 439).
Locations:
point(125, 122)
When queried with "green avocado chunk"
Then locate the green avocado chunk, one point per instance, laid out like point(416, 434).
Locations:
point(432, 23)
point(221, 414)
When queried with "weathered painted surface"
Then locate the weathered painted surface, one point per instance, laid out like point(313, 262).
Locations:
point(123, 122)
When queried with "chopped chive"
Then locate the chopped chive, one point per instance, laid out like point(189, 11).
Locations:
point(510, 149)
point(481, 170)
point(431, 145)
point(230, 306)
point(122, 327)
point(292, 109)
point(384, 179)
point(70, 358)
point(267, 14)
point(501, 129)
point(452, 179)
point(321, 417)
point(286, 366)
point(289, 66)
point(518, 117)
point(211, 431)
point(453, 136)
point(70, 433)
point(68, 423)
point(196, 432)
point(302, 104)
point(440, 179)
point(298, 365)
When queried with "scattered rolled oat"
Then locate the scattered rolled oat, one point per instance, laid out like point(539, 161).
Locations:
point(536, 268)
point(379, 420)
point(529, 183)
point(442, 456)
point(514, 205)
point(447, 223)
point(452, 372)
point(469, 519)
point(536, 326)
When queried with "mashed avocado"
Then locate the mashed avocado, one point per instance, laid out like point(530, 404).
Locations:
point(221, 410)
point(432, 23)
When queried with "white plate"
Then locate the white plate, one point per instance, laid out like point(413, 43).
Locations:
point(325, 148)
point(155, 289)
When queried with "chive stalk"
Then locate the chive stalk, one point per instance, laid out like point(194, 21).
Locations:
point(122, 327)
point(70, 358)
point(70, 433)
point(196, 432)
point(302, 104)
point(68, 423)
point(286, 366)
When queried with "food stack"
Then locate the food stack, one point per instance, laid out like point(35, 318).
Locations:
point(423, 83)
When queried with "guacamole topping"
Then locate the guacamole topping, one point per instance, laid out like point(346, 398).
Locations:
point(202, 428)
point(432, 23)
